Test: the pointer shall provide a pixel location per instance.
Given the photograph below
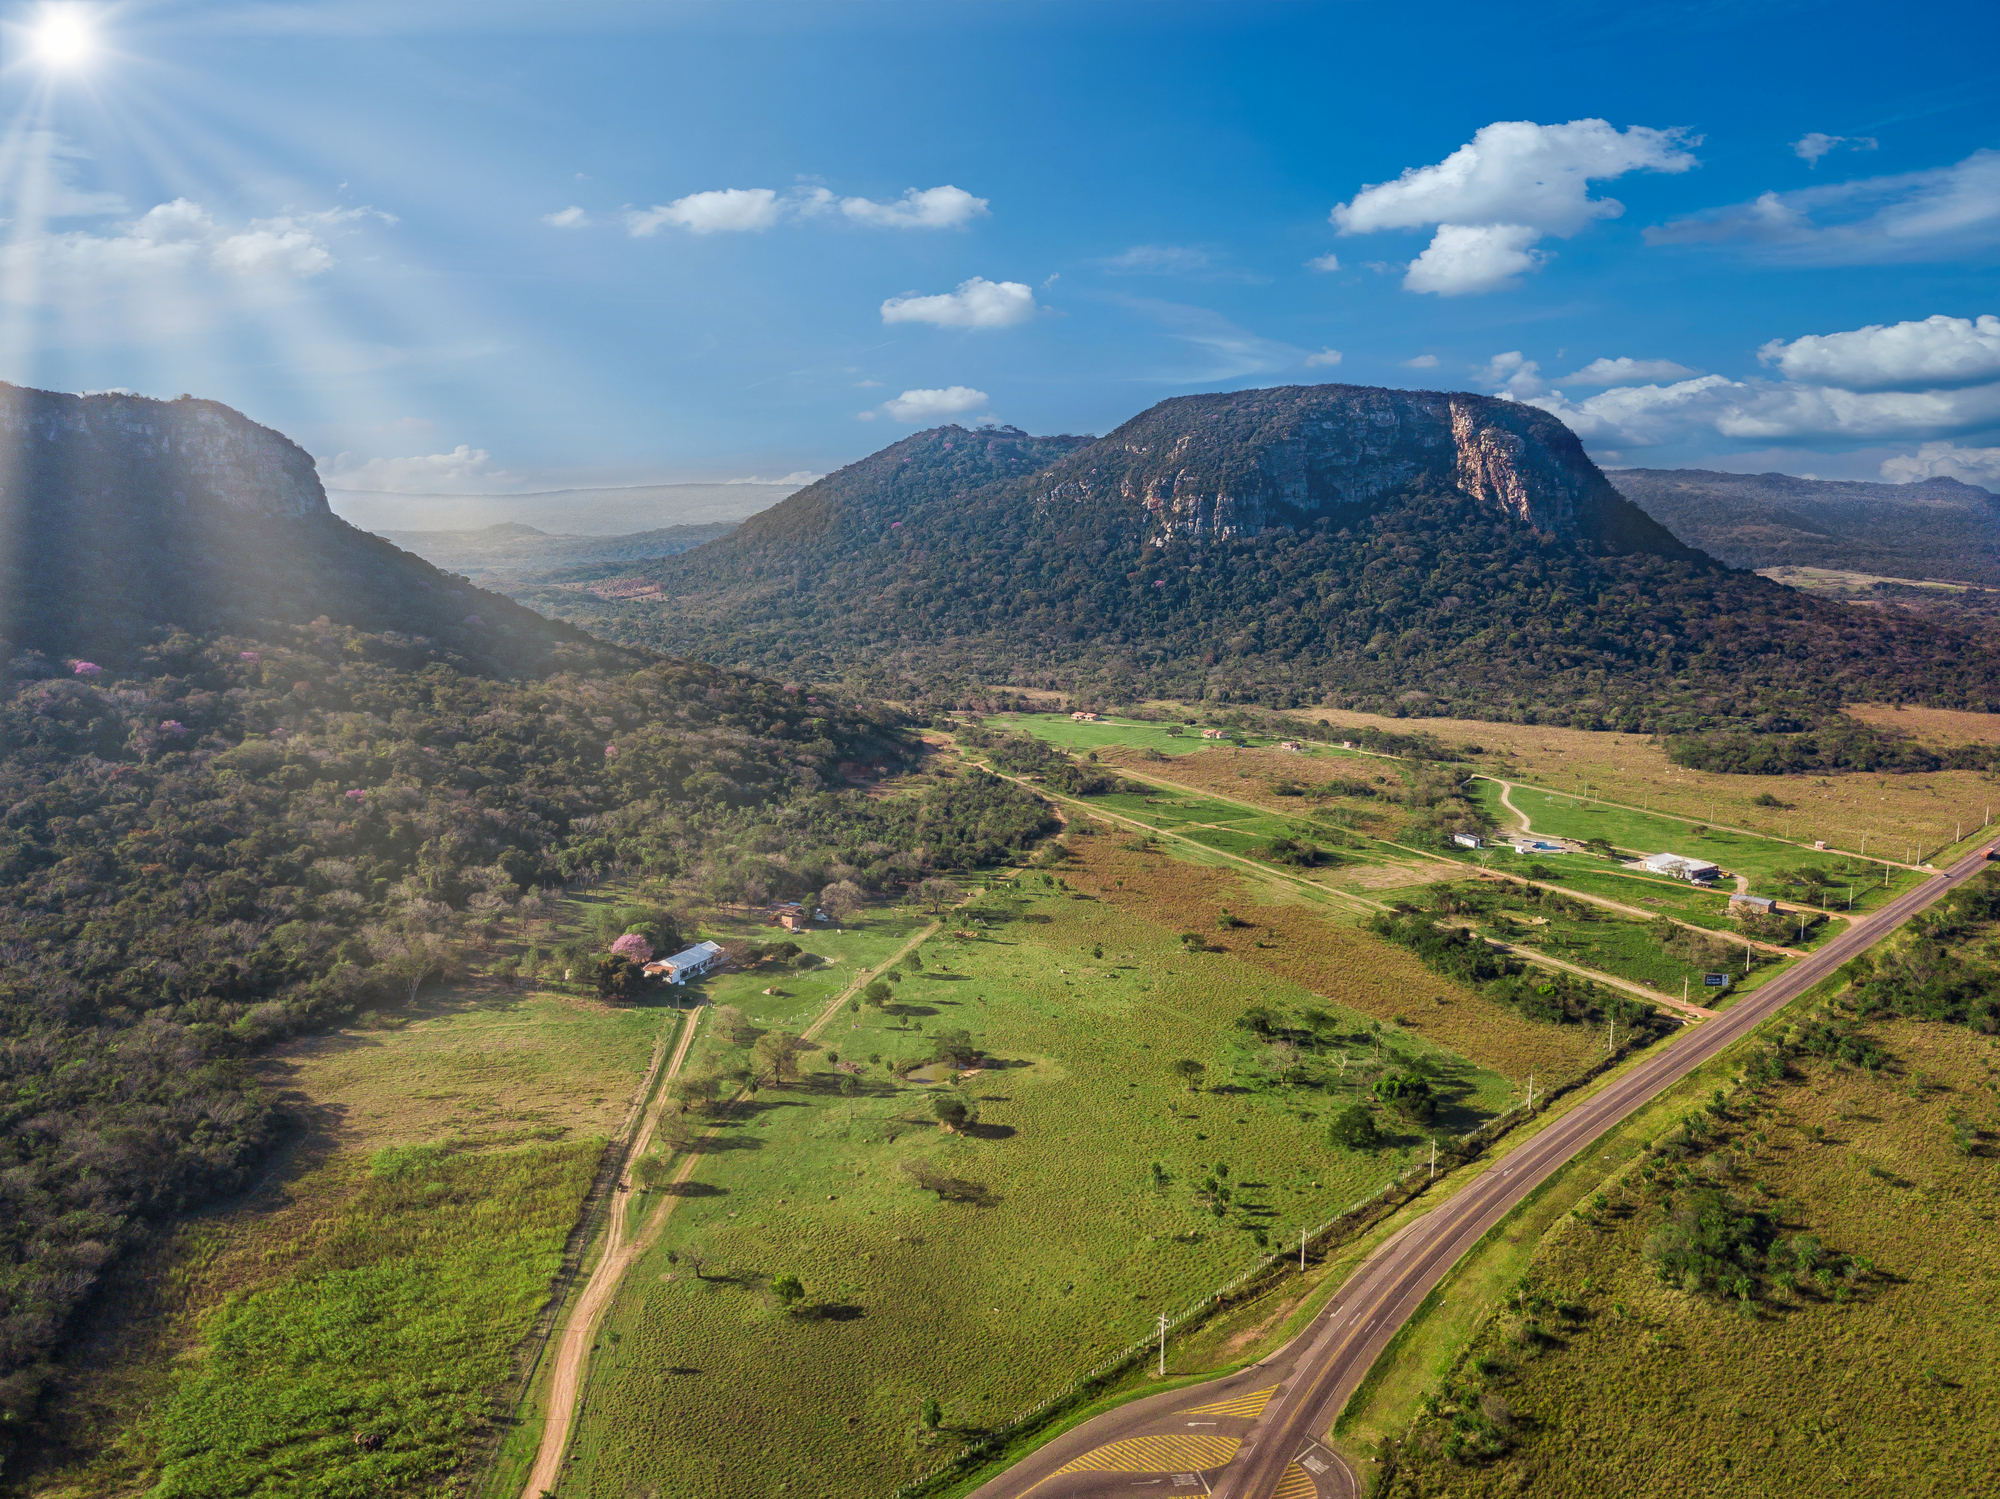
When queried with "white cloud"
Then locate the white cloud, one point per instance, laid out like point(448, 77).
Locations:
point(977, 303)
point(1825, 411)
point(800, 476)
point(1936, 353)
point(1515, 182)
point(1935, 215)
point(571, 217)
point(1623, 371)
point(1421, 362)
point(739, 210)
point(464, 470)
point(273, 251)
point(944, 207)
point(934, 405)
point(728, 210)
point(1327, 262)
point(1325, 357)
point(1640, 415)
point(1465, 258)
point(1945, 460)
point(864, 416)
point(1157, 260)
point(1512, 375)
point(1814, 144)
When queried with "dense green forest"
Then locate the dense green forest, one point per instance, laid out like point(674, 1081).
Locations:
point(917, 572)
point(223, 840)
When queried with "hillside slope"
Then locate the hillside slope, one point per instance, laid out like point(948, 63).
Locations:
point(1939, 528)
point(1404, 551)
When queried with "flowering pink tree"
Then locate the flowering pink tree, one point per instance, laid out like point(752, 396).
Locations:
point(87, 669)
point(633, 946)
point(249, 656)
point(174, 727)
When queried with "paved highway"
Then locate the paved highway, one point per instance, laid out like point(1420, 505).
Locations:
point(1257, 1434)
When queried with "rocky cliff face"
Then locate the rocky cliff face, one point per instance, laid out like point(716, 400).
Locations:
point(122, 516)
point(183, 452)
point(1236, 465)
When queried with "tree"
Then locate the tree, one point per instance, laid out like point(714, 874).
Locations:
point(1354, 1128)
point(937, 893)
point(634, 948)
point(954, 1046)
point(1189, 1071)
point(694, 1255)
point(695, 1090)
point(1283, 1057)
point(877, 994)
point(1259, 1020)
point(778, 1053)
point(407, 951)
point(954, 1110)
point(618, 977)
point(931, 1413)
point(788, 1289)
point(841, 900)
point(651, 1170)
point(733, 1025)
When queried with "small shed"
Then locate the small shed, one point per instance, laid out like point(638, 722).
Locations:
point(1081, 717)
point(1759, 903)
point(1468, 840)
point(688, 963)
point(1214, 734)
point(1680, 867)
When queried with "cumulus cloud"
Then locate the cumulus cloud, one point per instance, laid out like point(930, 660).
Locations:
point(1324, 358)
point(977, 303)
point(1623, 371)
point(1936, 215)
point(751, 210)
point(571, 217)
point(1814, 144)
point(1945, 460)
point(1937, 353)
point(1421, 362)
point(1326, 262)
point(727, 210)
point(1513, 184)
point(934, 405)
point(944, 207)
point(1767, 411)
point(1511, 374)
point(1639, 415)
point(464, 470)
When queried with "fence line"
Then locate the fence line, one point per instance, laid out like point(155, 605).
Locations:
point(1465, 1148)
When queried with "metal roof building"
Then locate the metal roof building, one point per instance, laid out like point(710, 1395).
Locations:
point(688, 963)
point(1681, 867)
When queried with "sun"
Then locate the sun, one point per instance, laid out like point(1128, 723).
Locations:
point(63, 39)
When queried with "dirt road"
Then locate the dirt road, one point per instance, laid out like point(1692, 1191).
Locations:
point(622, 1248)
point(1258, 1434)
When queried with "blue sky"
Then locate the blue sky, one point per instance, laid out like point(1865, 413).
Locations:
point(499, 247)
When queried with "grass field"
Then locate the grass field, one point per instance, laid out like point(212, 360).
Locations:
point(1888, 1384)
point(1064, 732)
point(239, 1354)
point(1064, 1243)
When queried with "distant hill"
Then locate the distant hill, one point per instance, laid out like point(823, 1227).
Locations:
point(494, 555)
point(1411, 551)
point(595, 512)
point(1938, 528)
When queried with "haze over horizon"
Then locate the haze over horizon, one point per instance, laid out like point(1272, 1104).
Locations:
point(502, 248)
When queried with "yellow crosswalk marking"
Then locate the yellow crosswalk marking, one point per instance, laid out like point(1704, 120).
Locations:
point(1296, 1484)
point(1174, 1454)
point(1251, 1404)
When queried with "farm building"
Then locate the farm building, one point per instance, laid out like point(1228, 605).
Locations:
point(1292, 745)
point(1681, 867)
point(1084, 717)
point(1214, 734)
point(1762, 903)
point(688, 963)
point(1468, 840)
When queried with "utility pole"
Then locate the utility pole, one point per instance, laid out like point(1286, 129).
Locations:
point(1434, 1177)
point(1684, 988)
point(1531, 1090)
point(1163, 1345)
point(1302, 1251)
point(1611, 1036)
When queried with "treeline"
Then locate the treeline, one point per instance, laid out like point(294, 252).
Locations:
point(221, 840)
point(1023, 755)
point(1841, 744)
point(1936, 972)
point(1554, 997)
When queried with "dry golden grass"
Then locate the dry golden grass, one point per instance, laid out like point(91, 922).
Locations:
point(1938, 727)
point(1654, 1391)
point(1892, 810)
point(1302, 944)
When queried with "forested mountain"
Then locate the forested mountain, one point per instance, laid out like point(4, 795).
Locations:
point(1938, 528)
point(1412, 552)
point(298, 767)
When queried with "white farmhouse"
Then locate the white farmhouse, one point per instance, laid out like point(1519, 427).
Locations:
point(688, 963)
point(1680, 867)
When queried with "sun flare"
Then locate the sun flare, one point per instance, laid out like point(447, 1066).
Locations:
point(63, 40)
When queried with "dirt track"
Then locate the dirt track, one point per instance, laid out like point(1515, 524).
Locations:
point(622, 1248)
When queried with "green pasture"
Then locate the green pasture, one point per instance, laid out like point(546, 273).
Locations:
point(1062, 1242)
point(1558, 815)
point(394, 1320)
point(1065, 733)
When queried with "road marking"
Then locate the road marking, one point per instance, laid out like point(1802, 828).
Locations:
point(1156, 1455)
point(1296, 1484)
point(1251, 1404)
